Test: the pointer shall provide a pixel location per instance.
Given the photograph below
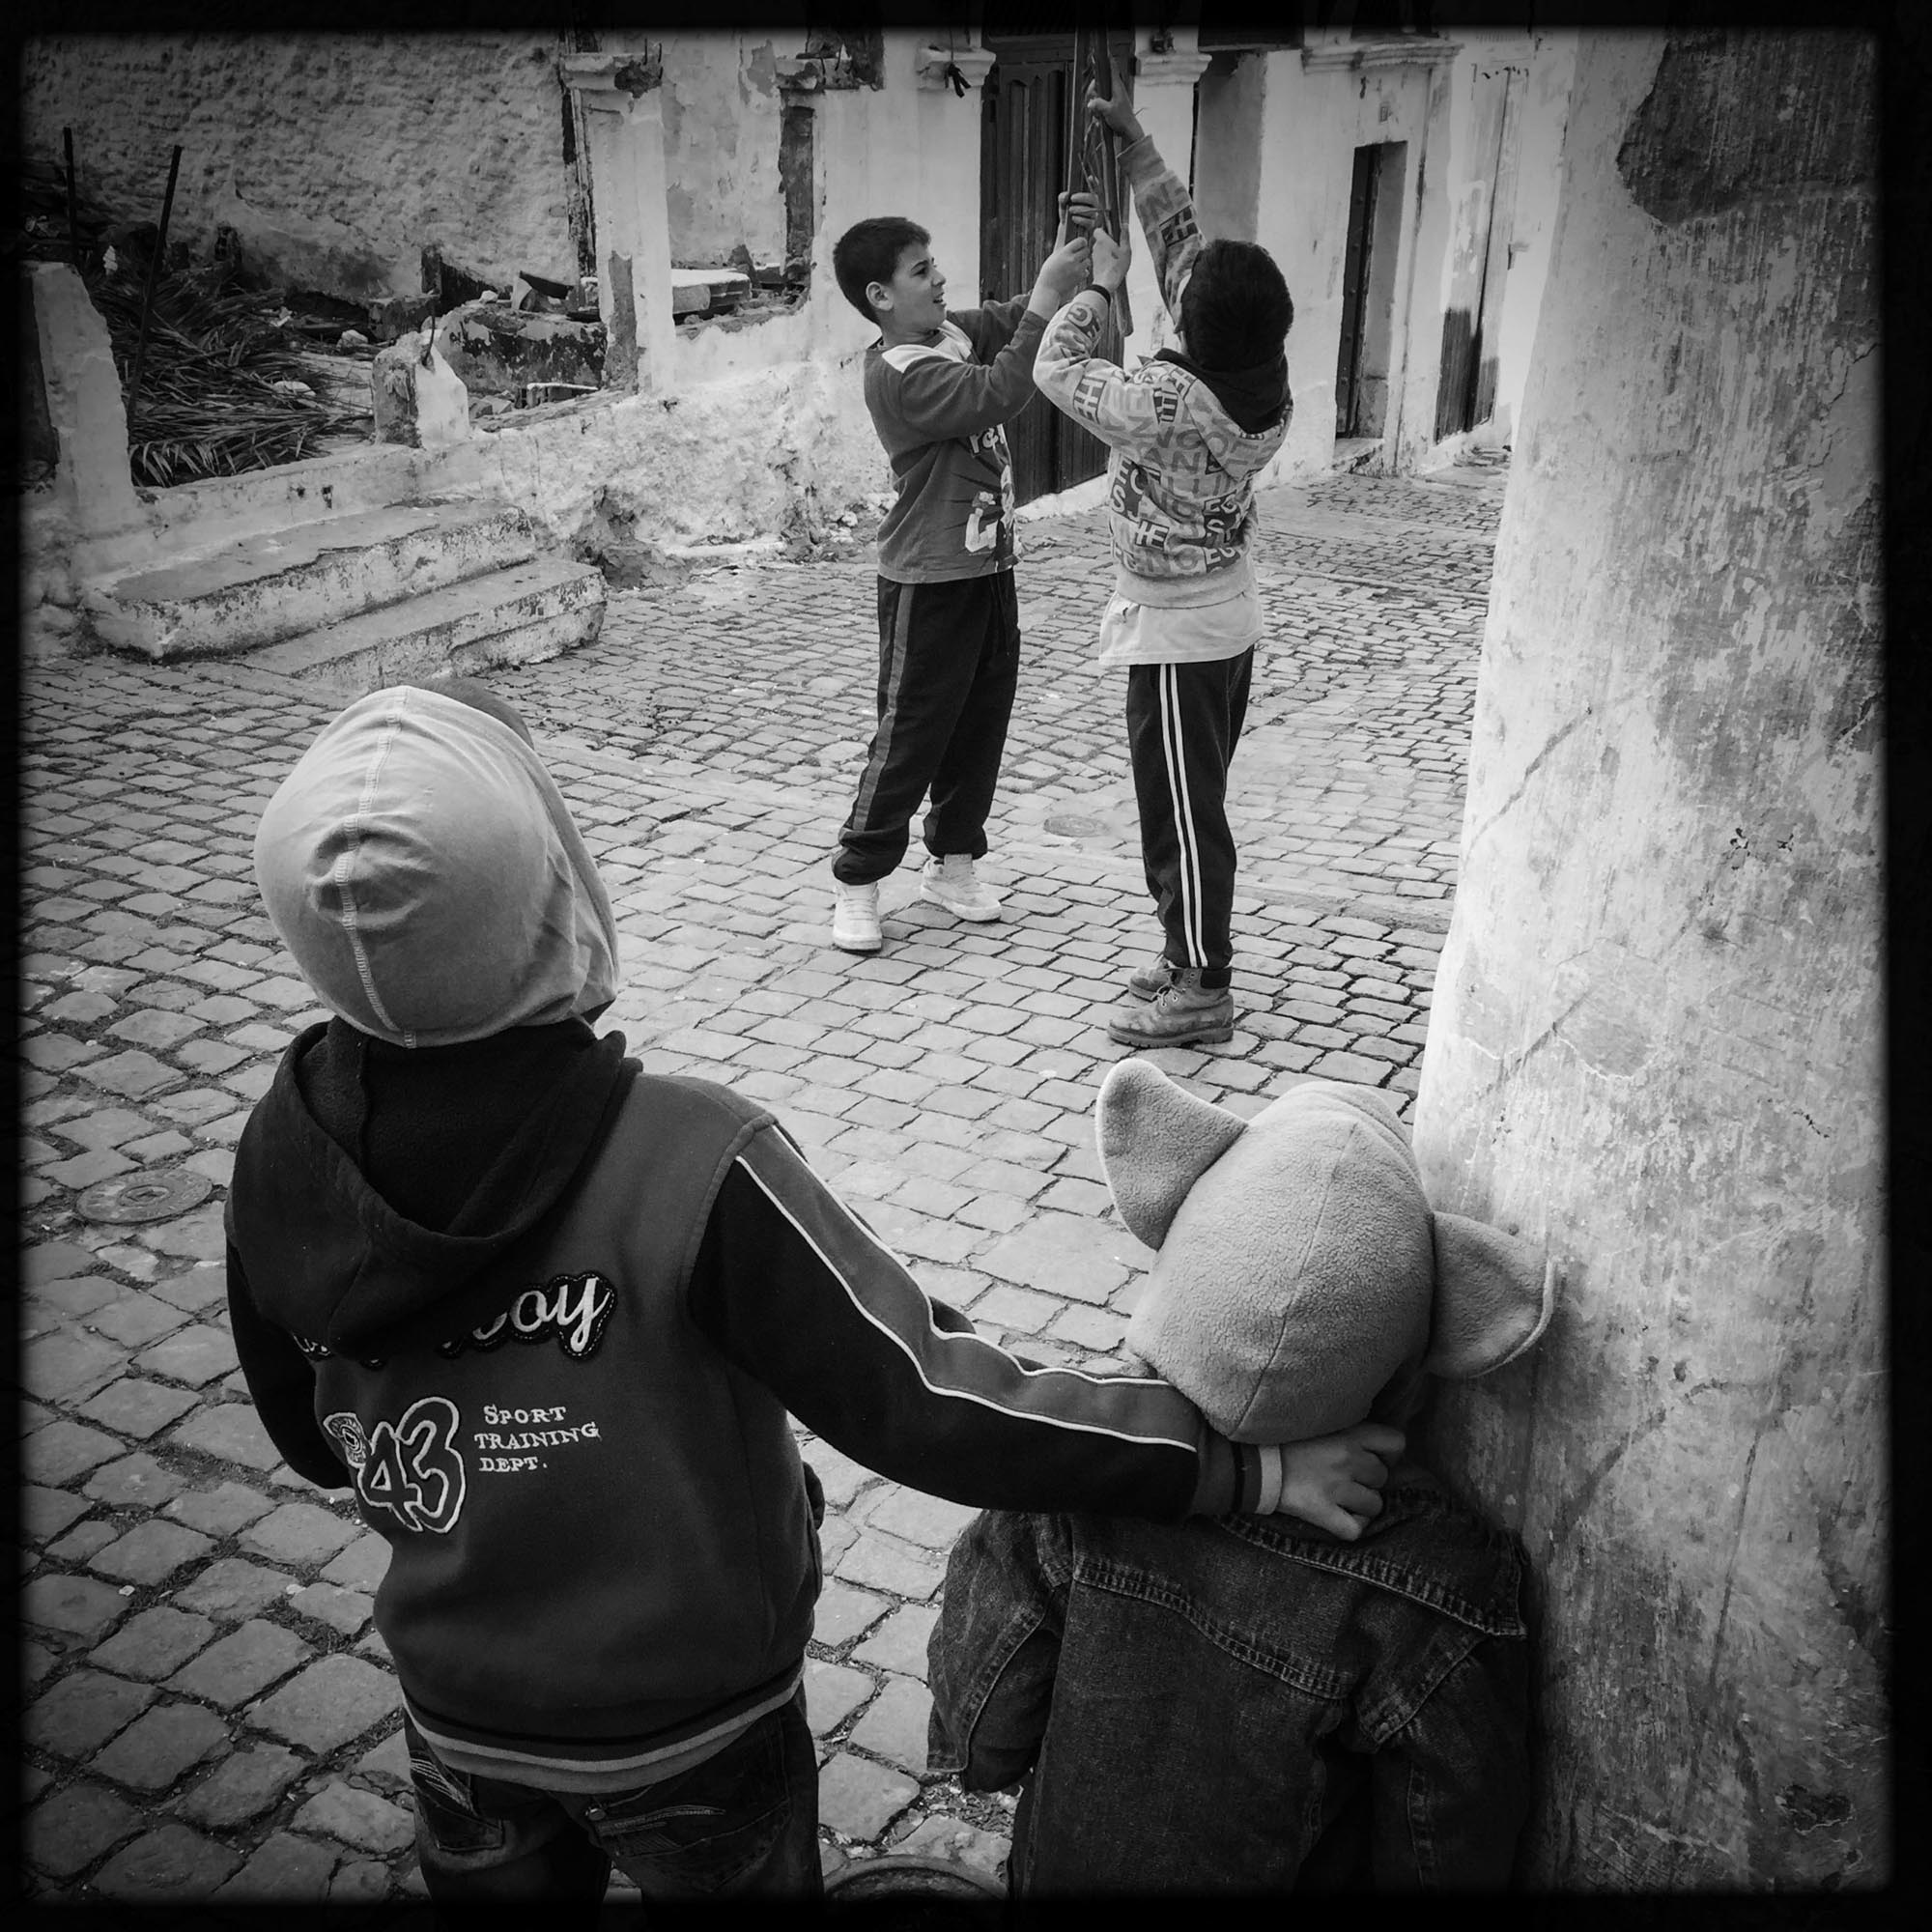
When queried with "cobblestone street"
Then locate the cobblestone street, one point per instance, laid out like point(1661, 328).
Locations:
point(209, 1710)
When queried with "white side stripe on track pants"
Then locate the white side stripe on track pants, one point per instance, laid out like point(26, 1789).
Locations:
point(1189, 862)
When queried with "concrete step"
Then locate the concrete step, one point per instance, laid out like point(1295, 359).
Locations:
point(259, 589)
point(532, 610)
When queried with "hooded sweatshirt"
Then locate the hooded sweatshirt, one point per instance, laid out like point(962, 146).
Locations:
point(1181, 468)
point(548, 1314)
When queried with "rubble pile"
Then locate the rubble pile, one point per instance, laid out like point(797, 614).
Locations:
point(226, 384)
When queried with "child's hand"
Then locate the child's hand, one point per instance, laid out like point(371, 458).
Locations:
point(1110, 259)
point(1062, 274)
point(1331, 1481)
point(1079, 212)
point(1119, 112)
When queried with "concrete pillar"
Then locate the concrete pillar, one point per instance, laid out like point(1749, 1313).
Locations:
point(85, 408)
point(1655, 1036)
point(621, 101)
point(1164, 101)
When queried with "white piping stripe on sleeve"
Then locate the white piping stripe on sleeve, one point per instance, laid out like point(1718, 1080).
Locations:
point(1183, 816)
point(944, 1335)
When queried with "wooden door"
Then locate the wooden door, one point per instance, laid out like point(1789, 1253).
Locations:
point(1479, 258)
point(1355, 288)
point(1023, 148)
point(1497, 255)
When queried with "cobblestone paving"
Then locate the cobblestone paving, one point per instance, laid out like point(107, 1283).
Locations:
point(211, 1713)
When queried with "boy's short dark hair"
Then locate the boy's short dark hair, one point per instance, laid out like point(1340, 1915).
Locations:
point(870, 252)
point(1234, 311)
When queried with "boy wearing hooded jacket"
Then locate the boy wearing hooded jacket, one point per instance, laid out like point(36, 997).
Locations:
point(1185, 433)
point(547, 1314)
point(1245, 1706)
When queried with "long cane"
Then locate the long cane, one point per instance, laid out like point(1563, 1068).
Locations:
point(1095, 163)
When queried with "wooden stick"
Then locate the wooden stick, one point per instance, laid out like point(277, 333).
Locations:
point(147, 295)
point(1111, 200)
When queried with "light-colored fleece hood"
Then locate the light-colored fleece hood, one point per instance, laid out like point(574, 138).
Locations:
point(422, 867)
point(1302, 1282)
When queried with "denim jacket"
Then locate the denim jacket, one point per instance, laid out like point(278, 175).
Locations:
point(1242, 1704)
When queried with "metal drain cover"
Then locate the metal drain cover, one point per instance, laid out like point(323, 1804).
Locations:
point(145, 1196)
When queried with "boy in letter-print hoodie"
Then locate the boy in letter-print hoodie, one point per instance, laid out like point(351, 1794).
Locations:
point(547, 1314)
point(1187, 434)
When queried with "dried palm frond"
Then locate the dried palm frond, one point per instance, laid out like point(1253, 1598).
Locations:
point(209, 405)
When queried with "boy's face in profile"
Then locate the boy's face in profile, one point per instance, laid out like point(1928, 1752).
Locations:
point(913, 303)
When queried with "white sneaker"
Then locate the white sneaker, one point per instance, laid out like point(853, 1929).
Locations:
point(855, 916)
point(952, 882)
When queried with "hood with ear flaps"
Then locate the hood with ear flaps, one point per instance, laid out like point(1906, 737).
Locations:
point(1300, 1268)
point(422, 867)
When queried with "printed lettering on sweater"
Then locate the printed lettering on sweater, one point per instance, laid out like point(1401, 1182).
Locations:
point(570, 1309)
point(508, 1441)
point(411, 1468)
point(414, 1470)
point(991, 517)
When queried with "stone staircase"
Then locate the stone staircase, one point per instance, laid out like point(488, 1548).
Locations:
point(358, 597)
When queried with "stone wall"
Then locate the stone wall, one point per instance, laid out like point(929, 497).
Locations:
point(337, 159)
point(1657, 1033)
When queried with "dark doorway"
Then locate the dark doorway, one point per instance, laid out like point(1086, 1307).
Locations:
point(1023, 151)
point(1368, 290)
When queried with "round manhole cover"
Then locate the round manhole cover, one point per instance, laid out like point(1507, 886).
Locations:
point(902, 1888)
point(1063, 825)
point(144, 1197)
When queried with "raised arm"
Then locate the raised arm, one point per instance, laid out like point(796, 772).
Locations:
point(1081, 382)
point(935, 397)
point(1162, 199)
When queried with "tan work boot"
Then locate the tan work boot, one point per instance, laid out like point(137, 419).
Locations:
point(1143, 983)
point(1182, 1014)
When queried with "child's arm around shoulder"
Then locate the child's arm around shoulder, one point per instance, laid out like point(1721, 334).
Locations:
point(791, 1285)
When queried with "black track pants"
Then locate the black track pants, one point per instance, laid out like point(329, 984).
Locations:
point(1183, 721)
point(949, 664)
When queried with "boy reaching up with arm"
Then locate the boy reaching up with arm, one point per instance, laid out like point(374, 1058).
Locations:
point(941, 386)
point(1187, 434)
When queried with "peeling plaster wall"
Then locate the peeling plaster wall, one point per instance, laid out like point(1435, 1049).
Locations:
point(755, 385)
point(1539, 192)
point(336, 158)
point(722, 115)
point(1657, 1032)
point(1450, 265)
point(749, 455)
point(1312, 122)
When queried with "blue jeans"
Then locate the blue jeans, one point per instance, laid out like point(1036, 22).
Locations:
point(744, 1824)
